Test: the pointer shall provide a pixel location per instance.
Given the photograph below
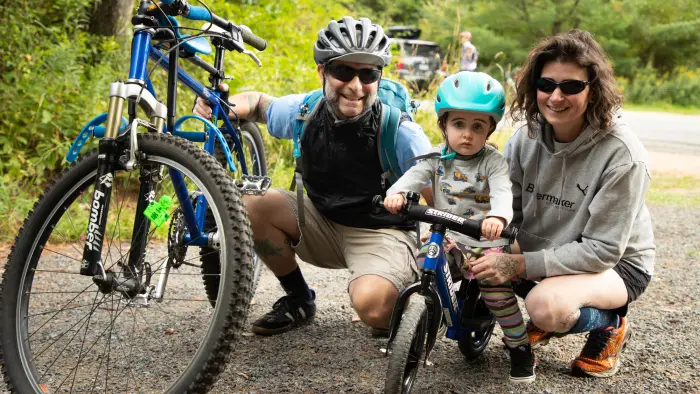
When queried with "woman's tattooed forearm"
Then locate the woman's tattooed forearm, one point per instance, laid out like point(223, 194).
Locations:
point(506, 266)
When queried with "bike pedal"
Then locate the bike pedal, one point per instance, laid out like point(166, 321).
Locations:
point(255, 185)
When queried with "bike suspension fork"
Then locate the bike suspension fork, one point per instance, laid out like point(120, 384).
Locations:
point(107, 160)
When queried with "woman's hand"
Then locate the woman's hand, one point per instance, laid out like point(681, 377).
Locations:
point(497, 268)
point(491, 227)
point(394, 203)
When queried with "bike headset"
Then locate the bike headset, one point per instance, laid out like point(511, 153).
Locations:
point(359, 41)
point(473, 92)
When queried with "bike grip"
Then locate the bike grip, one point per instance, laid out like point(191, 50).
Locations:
point(251, 39)
point(199, 14)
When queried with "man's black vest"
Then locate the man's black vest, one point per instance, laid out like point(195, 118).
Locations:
point(341, 170)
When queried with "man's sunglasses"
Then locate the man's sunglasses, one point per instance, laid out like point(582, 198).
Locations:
point(571, 86)
point(345, 73)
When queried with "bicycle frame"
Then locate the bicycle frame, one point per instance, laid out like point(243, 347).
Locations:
point(138, 89)
point(442, 294)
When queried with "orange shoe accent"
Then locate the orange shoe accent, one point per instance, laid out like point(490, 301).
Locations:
point(537, 337)
point(600, 356)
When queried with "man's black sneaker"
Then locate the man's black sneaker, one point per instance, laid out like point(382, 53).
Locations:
point(287, 313)
point(522, 364)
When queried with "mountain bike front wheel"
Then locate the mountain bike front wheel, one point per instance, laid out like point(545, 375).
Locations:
point(407, 348)
point(60, 332)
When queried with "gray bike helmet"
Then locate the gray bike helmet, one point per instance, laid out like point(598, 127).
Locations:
point(353, 40)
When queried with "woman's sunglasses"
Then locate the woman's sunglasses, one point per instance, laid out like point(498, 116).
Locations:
point(571, 86)
point(345, 73)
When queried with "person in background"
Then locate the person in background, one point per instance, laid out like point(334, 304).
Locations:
point(469, 55)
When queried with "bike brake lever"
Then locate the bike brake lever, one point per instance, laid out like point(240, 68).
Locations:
point(252, 56)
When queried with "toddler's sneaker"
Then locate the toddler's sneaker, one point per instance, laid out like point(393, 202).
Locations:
point(522, 364)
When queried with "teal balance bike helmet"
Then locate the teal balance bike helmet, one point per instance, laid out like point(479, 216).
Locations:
point(471, 91)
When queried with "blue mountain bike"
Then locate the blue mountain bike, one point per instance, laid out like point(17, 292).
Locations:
point(103, 289)
point(424, 306)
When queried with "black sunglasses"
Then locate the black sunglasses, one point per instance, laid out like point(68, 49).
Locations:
point(345, 73)
point(571, 86)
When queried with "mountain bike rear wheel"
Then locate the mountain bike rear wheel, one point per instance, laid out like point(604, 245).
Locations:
point(254, 153)
point(60, 332)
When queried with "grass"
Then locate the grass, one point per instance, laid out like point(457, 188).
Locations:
point(677, 191)
point(662, 107)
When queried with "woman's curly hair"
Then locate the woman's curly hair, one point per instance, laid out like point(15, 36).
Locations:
point(578, 47)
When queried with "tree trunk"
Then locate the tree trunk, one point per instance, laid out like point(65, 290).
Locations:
point(111, 17)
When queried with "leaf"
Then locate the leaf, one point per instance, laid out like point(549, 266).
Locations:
point(46, 116)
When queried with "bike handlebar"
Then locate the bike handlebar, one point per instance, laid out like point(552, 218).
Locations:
point(469, 227)
point(197, 13)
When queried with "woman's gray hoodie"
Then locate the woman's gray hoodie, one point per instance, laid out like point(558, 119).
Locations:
point(581, 209)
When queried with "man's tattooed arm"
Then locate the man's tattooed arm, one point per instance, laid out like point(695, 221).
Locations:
point(251, 106)
point(258, 104)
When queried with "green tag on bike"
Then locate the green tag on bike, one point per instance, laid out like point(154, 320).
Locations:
point(157, 212)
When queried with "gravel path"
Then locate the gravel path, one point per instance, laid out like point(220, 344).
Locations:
point(333, 354)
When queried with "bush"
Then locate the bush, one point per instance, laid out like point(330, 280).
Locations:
point(680, 87)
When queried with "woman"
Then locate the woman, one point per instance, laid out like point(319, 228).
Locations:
point(579, 178)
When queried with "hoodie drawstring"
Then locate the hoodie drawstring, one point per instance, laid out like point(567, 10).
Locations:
point(561, 189)
point(537, 176)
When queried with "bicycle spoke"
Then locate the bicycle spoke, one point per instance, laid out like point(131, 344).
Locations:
point(80, 352)
point(64, 306)
point(65, 347)
point(66, 331)
point(93, 345)
point(64, 255)
point(69, 242)
point(116, 223)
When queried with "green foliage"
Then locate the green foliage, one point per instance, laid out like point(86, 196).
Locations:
point(681, 87)
point(50, 77)
point(54, 76)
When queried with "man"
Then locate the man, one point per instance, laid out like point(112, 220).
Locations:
point(469, 54)
point(341, 173)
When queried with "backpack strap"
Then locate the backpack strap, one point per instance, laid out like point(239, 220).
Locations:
point(307, 109)
point(386, 143)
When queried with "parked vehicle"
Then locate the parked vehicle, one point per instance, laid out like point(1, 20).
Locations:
point(419, 62)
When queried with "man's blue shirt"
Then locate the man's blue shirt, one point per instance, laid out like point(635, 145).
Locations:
point(411, 141)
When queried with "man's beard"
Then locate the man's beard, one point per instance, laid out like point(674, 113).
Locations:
point(333, 100)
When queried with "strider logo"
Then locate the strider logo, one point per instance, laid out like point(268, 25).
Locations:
point(551, 199)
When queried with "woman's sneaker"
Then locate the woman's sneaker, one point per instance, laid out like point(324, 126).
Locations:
point(522, 364)
point(600, 356)
point(287, 313)
point(537, 337)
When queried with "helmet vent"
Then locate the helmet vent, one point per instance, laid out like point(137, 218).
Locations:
point(437, 98)
point(456, 83)
point(488, 86)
